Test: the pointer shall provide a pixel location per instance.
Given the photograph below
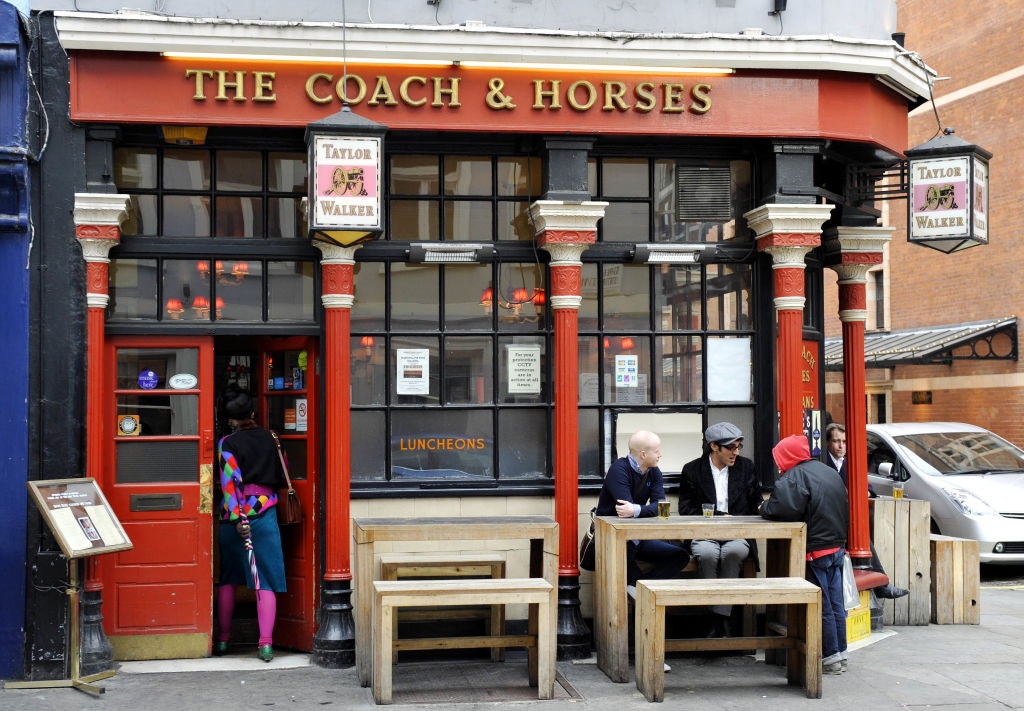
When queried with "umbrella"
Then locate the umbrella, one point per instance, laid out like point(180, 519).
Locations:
point(250, 552)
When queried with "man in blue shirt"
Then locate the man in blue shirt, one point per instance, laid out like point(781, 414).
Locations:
point(632, 488)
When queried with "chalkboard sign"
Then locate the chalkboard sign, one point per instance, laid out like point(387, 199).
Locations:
point(79, 517)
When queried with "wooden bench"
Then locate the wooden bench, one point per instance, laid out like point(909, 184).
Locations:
point(801, 638)
point(390, 595)
point(394, 566)
point(956, 581)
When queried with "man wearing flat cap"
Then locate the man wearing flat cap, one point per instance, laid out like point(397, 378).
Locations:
point(728, 481)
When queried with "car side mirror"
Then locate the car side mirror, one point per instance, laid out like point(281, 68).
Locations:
point(885, 469)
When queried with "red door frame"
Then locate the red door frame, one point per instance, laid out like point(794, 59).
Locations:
point(149, 590)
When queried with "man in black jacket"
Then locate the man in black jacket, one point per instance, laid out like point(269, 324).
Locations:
point(835, 457)
point(811, 492)
point(726, 480)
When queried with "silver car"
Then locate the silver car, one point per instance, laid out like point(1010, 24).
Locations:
point(973, 479)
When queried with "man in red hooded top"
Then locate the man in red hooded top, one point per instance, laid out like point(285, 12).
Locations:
point(813, 492)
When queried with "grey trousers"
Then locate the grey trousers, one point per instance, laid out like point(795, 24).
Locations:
point(720, 559)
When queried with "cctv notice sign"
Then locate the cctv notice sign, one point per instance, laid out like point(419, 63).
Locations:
point(79, 517)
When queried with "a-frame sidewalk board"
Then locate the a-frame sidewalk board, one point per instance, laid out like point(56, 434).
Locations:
point(84, 525)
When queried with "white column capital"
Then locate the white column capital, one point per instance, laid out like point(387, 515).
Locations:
point(788, 256)
point(101, 209)
point(565, 216)
point(863, 240)
point(565, 255)
point(782, 218)
point(332, 253)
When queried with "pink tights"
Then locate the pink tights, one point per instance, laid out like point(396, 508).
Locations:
point(266, 613)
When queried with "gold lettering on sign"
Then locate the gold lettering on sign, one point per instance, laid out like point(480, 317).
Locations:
point(496, 98)
point(200, 75)
point(701, 99)
point(614, 96)
point(403, 91)
point(223, 85)
point(417, 91)
point(233, 83)
point(552, 94)
point(263, 86)
point(452, 92)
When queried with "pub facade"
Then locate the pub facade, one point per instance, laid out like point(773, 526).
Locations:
point(583, 232)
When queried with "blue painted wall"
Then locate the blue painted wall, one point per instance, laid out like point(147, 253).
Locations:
point(14, 295)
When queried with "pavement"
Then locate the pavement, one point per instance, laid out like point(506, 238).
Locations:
point(969, 667)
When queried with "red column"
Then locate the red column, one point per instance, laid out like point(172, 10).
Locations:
point(98, 218)
point(788, 233)
point(860, 249)
point(565, 230)
point(334, 641)
point(338, 270)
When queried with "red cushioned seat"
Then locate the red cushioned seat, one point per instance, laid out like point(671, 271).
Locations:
point(867, 579)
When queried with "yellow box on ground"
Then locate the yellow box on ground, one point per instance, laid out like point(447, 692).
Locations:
point(858, 620)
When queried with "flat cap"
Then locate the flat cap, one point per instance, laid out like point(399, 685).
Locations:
point(722, 433)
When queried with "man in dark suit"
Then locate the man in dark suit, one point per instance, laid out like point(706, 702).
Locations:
point(835, 457)
point(728, 481)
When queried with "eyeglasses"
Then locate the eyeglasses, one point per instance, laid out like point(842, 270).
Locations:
point(734, 447)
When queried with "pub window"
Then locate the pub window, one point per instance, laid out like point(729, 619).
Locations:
point(179, 291)
point(450, 361)
point(475, 198)
point(669, 200)
point(184, 200)
point(199, 192)
point(660, 337)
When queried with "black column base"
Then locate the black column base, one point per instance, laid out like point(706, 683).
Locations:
point(573, 634)
point(334, 644)
point(97, 654)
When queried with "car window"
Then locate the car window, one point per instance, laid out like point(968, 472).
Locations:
point(878, 453)
point(960, 452)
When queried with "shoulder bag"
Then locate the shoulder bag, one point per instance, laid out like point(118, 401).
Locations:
point(587, 545)
point(289, 508)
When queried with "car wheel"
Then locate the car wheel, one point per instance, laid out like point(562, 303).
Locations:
point(935, 528)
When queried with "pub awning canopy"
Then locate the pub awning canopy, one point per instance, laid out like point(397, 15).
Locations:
point(994, 339)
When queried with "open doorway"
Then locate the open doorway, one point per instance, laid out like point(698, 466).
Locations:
point(280, 375)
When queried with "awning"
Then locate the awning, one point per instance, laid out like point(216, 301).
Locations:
point(978, 340)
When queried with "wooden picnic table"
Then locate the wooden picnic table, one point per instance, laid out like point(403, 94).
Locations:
point(540, 531)
point(784, 557)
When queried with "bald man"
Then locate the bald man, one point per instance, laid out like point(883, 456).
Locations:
point(632, 488)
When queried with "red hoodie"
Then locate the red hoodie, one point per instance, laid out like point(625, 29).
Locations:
point(791, 451)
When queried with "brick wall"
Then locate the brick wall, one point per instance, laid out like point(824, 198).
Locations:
point(972, 44)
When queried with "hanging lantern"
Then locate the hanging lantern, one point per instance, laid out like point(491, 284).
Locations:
point(345, 172)
point(947, 194)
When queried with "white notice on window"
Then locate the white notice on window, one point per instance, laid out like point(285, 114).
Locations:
point(413, 376)
point(626, 371)
point(523, 370)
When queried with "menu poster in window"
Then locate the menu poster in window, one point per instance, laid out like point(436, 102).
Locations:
point(626, 371)
point(79, 517)
point(413, 377)
point(524, 369)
